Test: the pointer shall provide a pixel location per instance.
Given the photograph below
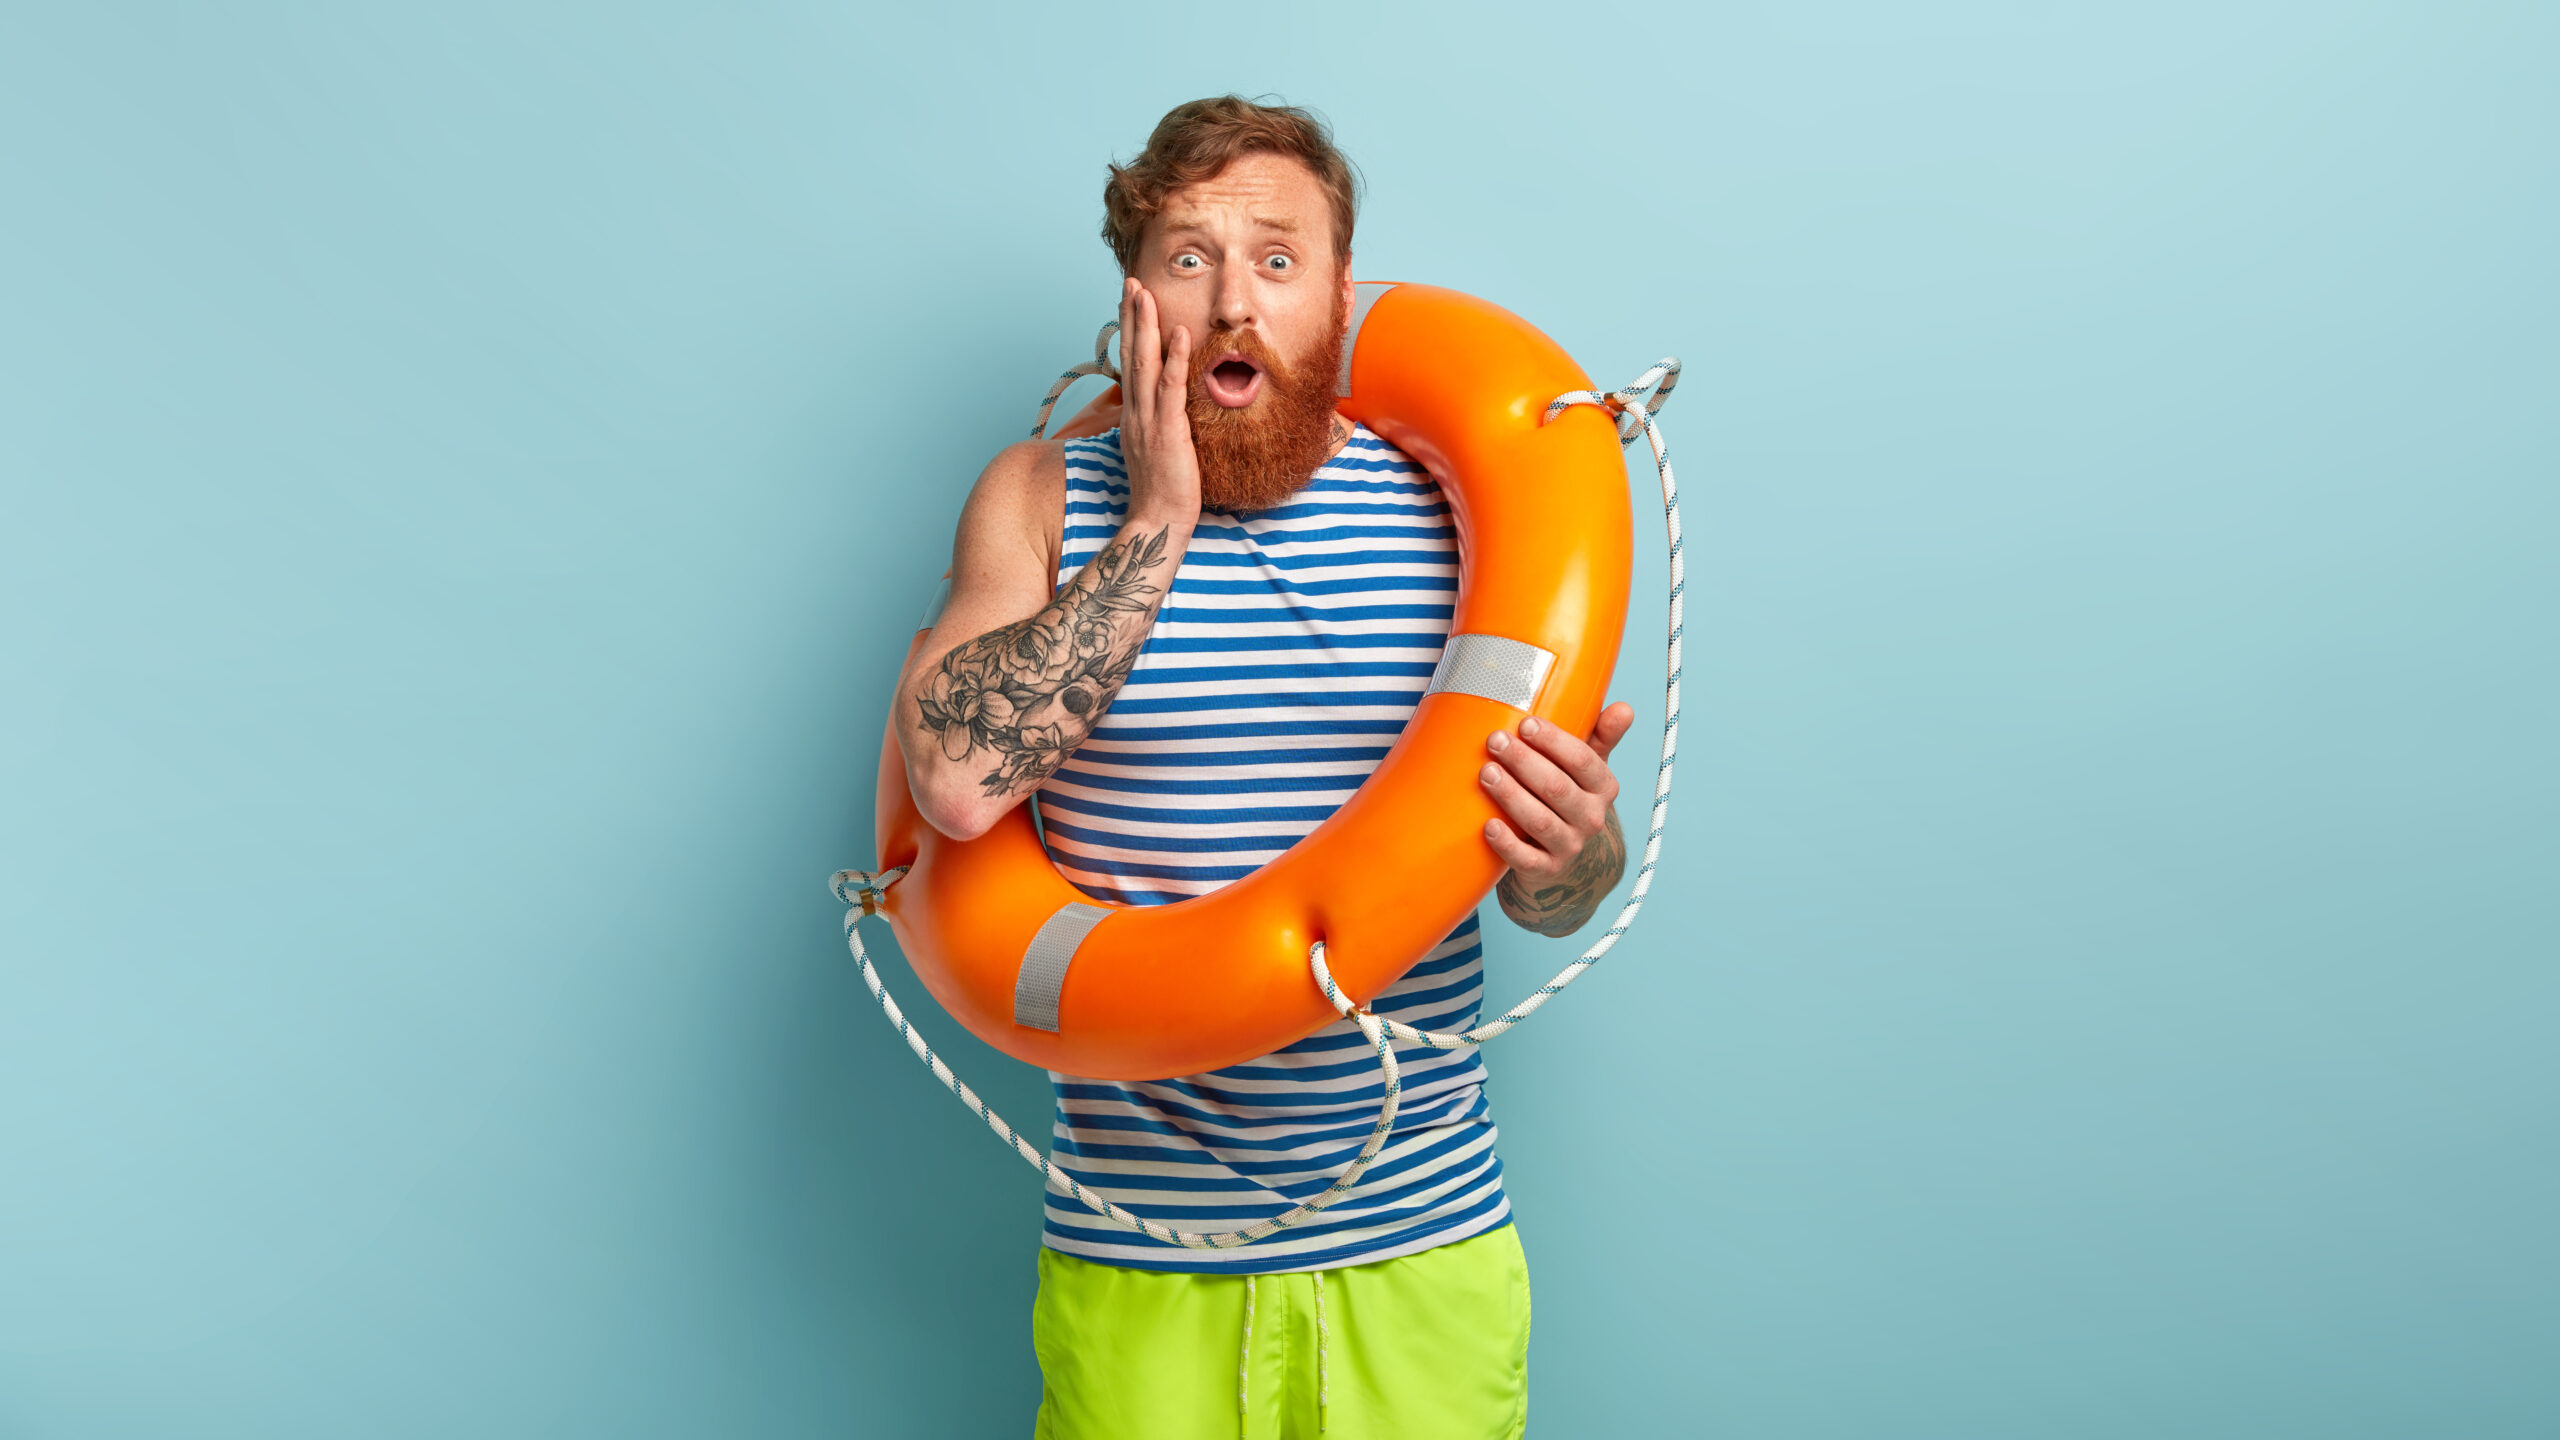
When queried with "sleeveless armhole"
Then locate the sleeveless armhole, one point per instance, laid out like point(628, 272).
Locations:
point(1054, 532)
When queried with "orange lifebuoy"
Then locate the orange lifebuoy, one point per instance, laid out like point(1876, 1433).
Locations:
point(1047, 974)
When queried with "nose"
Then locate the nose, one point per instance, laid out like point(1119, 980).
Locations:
point(1232, 307)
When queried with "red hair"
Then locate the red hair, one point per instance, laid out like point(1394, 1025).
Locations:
point(1197, 139)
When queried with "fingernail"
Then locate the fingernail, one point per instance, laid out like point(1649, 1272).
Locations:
point(1497, 742)
point(1493, 829)
point(1492, 773)
point(1529, 726)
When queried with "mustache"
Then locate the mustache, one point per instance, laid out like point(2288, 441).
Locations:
point(1241, 345)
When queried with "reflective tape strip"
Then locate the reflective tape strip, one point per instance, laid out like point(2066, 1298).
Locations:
point(1493, 666)
point(933, 608)
point(1044, 963)
point(1362, 297)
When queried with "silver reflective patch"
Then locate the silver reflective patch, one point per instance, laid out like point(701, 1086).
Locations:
point(933, 608)
point(1362, 297)
point(1493, 666)
point(1044, 963)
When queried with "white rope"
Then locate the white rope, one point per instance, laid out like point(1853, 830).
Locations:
point(1324, 1386)
point(1100, 364)
point(862, 889)
point(1244, 1368)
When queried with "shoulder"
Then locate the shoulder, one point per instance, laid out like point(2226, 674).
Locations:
point(1025, 467)
point(1026, 478)
point(1019, 497)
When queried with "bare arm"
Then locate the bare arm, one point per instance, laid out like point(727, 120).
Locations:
point(988, 718)
point(1013, 678)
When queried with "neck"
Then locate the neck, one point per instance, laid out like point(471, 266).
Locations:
point(1341, 437)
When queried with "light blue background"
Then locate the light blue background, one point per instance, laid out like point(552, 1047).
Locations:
point(469, 469)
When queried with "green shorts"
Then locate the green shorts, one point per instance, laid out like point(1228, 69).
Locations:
point(1423, 1347)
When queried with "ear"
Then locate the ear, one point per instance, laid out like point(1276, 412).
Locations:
point(1347, 290)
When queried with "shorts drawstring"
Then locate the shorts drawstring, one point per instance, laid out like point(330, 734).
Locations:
point(1244, 1367)
point(1244, 1362)
point(1323, 1389)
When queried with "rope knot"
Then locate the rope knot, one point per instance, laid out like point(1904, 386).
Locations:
point(1623, 404)
point(1342, 1004)
point(864, 888)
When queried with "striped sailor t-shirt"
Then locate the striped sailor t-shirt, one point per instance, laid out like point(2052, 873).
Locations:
point(1284, 661)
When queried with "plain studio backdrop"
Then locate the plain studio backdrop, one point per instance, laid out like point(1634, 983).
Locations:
point(470, 471)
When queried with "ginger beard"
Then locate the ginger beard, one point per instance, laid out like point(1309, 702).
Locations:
point(1254, 457)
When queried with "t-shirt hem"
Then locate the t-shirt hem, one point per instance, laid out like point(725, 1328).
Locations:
point(1447, 1232)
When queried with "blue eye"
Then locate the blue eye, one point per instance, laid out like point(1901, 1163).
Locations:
point(1280, 262)
point(1186, 262)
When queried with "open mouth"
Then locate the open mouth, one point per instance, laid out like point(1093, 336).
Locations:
point(1233, 381)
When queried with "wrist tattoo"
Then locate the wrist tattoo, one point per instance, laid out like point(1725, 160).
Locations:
point(1567, 903)
point(1031, 692)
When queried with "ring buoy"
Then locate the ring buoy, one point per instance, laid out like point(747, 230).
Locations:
point(1047, 974)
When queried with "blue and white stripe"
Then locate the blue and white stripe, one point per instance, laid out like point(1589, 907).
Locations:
point(1283, 664)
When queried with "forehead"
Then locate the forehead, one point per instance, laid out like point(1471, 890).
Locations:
point(1259, 191)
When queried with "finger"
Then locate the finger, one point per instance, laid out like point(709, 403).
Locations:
point(1612, 728)
point(1530, 815)
point(1517, 853)
point(1542, 777)
point(1177, 372)
point(1129, 346)
point(1149, 359)
point(1575, 759)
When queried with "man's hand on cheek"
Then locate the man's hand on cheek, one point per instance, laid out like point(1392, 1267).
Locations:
point(1155, 422)
point(1559, 826)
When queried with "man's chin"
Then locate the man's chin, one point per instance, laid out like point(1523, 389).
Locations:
point(1256, 481)
point(1217, 501)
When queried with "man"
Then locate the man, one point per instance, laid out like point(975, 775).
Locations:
point(1222, 613)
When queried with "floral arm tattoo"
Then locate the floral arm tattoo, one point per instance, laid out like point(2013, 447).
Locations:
point(1030, 692)
point(1567, 904)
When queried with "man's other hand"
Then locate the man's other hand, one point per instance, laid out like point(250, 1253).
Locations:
point(1559, 827)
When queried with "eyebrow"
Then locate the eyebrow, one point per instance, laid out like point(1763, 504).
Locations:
point(1180, 224)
